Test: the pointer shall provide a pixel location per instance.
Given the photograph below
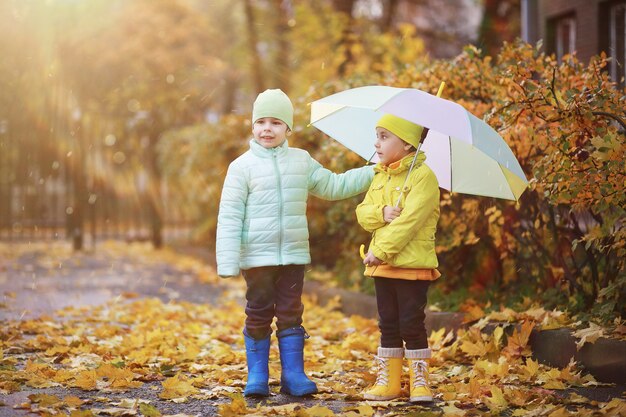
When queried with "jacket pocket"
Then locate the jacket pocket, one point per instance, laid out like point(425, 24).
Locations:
point(400, 192)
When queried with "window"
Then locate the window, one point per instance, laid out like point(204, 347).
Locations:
point(564, 36)
point(561, 35)
point(617, 44)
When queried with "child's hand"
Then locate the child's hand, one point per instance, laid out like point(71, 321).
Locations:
point(371, 260)
point(390, 213)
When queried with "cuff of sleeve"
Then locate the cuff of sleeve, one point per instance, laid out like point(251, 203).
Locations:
point(227, 271)
point(378, 253)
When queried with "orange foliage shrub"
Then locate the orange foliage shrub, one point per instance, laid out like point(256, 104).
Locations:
point(564, 122)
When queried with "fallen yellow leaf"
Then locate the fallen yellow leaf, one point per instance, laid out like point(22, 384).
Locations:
point(177, 386)
point(588, 335)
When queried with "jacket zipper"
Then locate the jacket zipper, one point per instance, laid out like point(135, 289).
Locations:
point(280, 210)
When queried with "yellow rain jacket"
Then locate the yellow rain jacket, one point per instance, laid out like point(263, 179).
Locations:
point(409, 240)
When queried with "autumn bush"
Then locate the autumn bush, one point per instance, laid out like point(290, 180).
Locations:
point(563, 242)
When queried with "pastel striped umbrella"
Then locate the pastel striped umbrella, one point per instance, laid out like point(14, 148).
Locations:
point(466, 154)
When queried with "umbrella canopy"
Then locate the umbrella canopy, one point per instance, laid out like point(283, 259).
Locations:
point(466, 154)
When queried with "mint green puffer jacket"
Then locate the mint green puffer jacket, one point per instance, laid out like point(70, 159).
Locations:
point(262, 215)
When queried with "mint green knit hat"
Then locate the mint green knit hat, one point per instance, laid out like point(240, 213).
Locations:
point(273, 103)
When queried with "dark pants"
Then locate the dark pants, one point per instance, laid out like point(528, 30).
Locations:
point(273, 291)
point(401, 314)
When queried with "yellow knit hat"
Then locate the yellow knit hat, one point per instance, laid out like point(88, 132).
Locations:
point(402, 128)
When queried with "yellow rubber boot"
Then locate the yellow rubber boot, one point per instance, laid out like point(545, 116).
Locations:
point(389, 371)
point(418, 371)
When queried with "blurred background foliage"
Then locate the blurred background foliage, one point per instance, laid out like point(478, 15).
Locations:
point(139, 106)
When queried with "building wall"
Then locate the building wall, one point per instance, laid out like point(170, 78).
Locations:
point(587, 24)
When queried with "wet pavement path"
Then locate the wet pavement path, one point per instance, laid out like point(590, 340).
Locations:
point(37, 283)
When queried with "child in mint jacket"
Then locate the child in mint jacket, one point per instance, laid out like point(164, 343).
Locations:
point(262, 232)
point(401, 256)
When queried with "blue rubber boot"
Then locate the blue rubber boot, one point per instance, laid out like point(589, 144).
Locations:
point(293, 381)
point(257, 355)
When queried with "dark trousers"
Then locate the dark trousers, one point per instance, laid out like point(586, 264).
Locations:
point(401, 314)
point(273, 291)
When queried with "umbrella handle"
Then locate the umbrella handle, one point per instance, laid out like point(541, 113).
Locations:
point(439, 91)
point(443, 84)
point(362, 251)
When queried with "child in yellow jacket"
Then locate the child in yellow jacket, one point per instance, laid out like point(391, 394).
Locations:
point(401, 209)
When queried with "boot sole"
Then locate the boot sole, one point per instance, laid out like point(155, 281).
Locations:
point(421, 399)
point(381, 397)
point(257, 392)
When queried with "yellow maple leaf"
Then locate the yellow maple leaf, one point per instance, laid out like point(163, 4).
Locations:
point(149, 410)
point(237, 407)
point(517, 397)
point(474, 388)
point(554, 384)
point(473, 313)
point(39, 375)
point(560, 412)
point(86, 380)
point(57, 350)
point(554, 319)
point(506, 314)
point(615, 407)
point(64, 375)
point(362, 410)
point(478, 348)
point(474, 345)
point(497, 336)
point(535, 314)
point(493, 369)
point(451, 411)
point(448, 392)
point(315, 411)
point(81, 413)
point(73, 401)
point(496, 402)
point(588, 335)
point(117, 377)
point(436, 337)
point(571, 375)
point(518, 341)
point(45, 400)
point(530, 369)
point(177, 386)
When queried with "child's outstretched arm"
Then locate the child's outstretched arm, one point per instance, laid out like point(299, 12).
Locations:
point(230, 222)
point(419, 204)
point(325, 184)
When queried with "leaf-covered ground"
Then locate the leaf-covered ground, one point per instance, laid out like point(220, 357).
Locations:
point(148, 352)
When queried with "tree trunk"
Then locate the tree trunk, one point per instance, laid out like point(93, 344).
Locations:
point(501, 22)
point(230, 89)
point(345, 7)
point(257, 67)
point(389, 12)
point(153, 200)
point(282, 73)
